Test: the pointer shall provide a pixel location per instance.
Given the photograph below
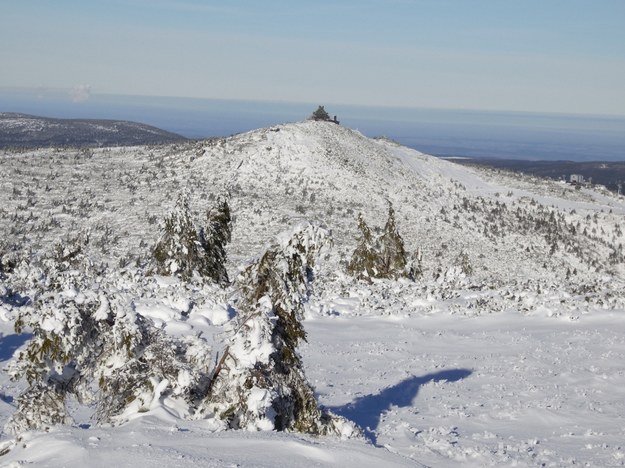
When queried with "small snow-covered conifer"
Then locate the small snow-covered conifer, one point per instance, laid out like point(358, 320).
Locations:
point(65, 336)
point(41, 406)
point(183, 251)
point(214, 238)
point(382, 257)
point(320, 114)
point(70, 252)
point(365, 262)
point(179, 250)
point(392, 249)
point(138, 365)
point(260, 382)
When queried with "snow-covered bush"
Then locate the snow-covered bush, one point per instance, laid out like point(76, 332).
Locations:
point(457, 273)
point(41, 406)
point(87, 341)
point(5, 261)
point(381, 257)
point(64, 336)
point(414, 266)
point(465, 263)
point(5, 268)
point(259, 383)
point(69, 252)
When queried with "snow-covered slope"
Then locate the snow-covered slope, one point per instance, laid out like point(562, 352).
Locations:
point(513, 231)
point(516, 359)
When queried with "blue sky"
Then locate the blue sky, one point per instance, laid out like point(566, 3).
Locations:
point(565, 56)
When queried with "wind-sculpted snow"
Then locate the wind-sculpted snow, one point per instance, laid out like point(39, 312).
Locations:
point(507, 348)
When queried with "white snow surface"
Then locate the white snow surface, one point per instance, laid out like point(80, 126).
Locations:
point(520, 362)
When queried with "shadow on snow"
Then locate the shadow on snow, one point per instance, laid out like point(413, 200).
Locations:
point(10, 343)
point(367, 410)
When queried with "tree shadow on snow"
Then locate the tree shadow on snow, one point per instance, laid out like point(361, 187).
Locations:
point(10, 343)
point(367, 410)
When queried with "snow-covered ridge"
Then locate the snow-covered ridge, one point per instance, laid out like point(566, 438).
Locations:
point(514, 360)
point(556, 238)
point(28, 131)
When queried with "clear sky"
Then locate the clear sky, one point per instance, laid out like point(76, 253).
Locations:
point(563, 56)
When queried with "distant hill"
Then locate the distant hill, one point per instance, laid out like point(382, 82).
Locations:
point(607, 173)
point(28, 131)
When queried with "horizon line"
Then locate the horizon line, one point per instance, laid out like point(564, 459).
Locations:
point(66, 92)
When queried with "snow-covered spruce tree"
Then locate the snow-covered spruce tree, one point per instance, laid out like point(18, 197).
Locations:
point(393, 253)
point(320, 114)
point(382, 257)
point(179, 250)
point(259, 383)
point(365, 262)
point(214, 237)
point(183, 251)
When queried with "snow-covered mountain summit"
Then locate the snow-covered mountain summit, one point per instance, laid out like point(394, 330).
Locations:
point(514, 231)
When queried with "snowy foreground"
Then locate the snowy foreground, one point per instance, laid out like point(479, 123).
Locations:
point(508, 350)
point(439, 391)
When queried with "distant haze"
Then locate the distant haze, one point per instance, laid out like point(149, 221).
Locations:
point(565, 56)
point(491, 134)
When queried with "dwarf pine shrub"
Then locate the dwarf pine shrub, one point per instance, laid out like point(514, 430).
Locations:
point(415, 265)
point(41, 406)
point(87, 341)
point(465, 263)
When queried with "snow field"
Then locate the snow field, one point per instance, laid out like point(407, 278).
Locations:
point(519, 363)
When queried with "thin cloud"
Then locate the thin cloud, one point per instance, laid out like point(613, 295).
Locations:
point(80, 93)
point(187, 6)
